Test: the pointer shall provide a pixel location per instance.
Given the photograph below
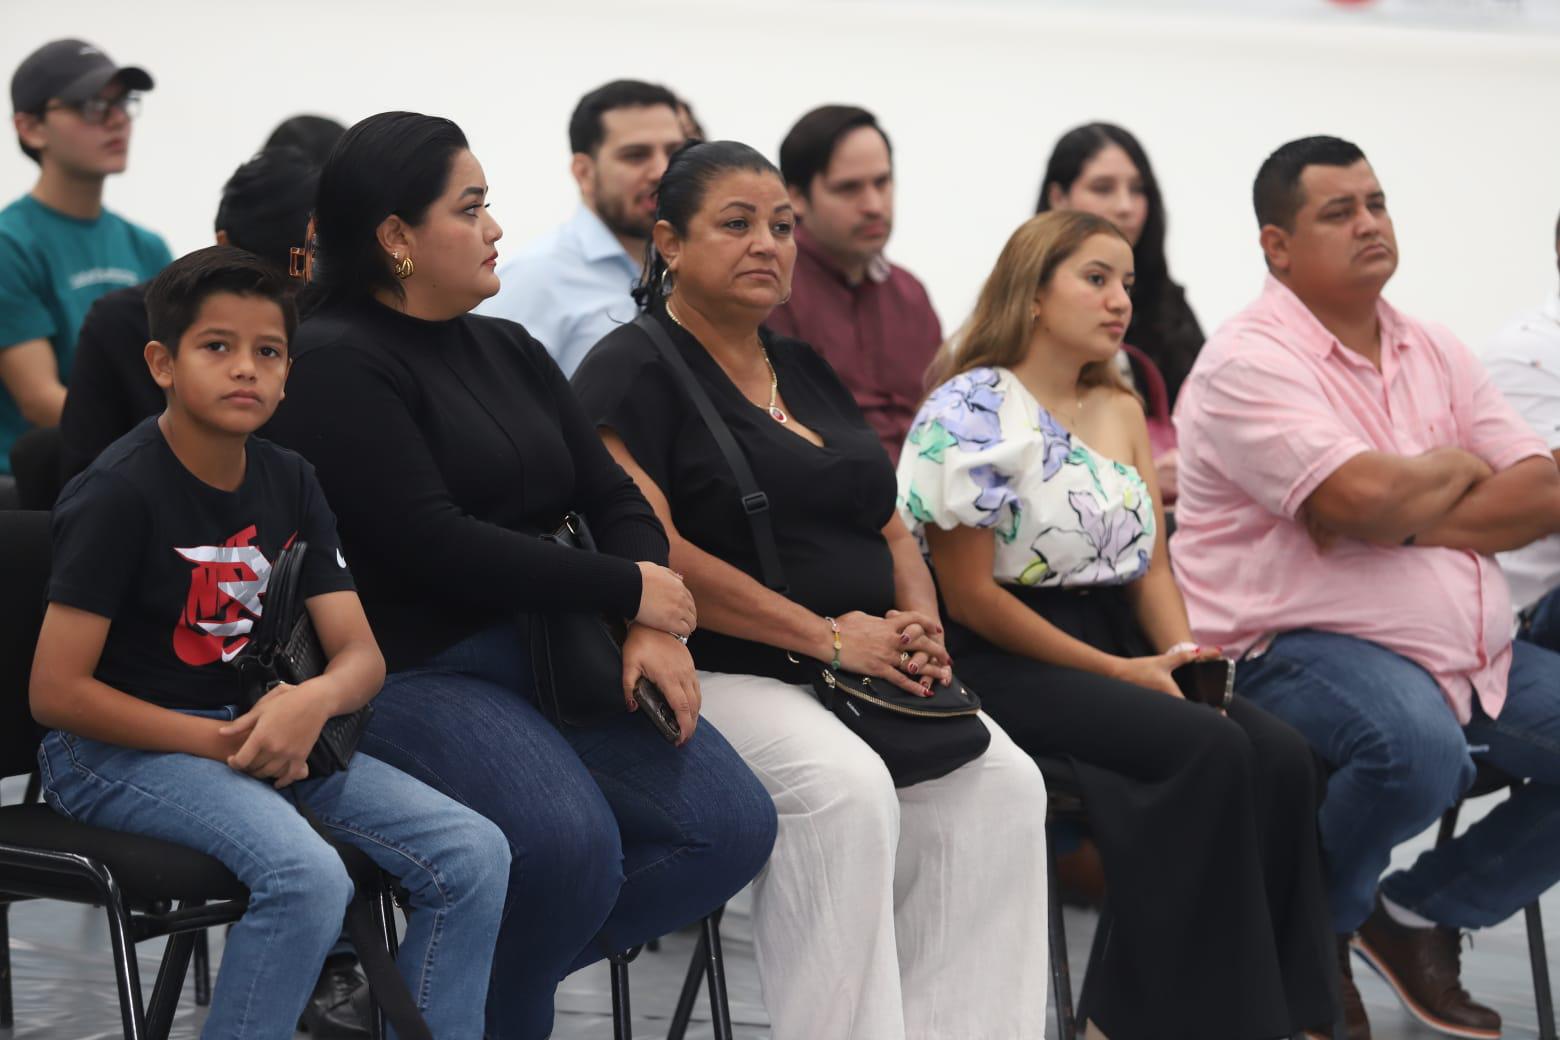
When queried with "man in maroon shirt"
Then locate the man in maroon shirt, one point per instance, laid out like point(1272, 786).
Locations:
point(871, 319)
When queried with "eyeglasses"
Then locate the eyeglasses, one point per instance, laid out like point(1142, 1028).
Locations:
point(94, 111)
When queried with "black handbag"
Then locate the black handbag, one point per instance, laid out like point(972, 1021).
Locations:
point(577, 658)
point(283, 647)
point(918, 738)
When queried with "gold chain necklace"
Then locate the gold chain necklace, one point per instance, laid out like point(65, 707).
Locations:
point(774, 409)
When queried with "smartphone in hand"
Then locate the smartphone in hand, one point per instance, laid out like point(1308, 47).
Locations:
point(1210, 682)
point(653, 704)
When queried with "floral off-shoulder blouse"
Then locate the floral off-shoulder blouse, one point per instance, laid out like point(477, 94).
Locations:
point(983, 453)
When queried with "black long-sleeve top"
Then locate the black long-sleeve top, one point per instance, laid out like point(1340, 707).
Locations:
point(444, 448)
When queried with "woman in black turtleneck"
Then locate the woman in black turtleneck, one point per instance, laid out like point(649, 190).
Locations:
point(445, 441)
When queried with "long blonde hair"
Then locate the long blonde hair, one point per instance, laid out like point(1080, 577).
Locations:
point(999, 331)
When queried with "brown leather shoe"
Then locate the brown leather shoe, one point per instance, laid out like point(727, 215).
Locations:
point(1424, 968)
point(1356, 1025)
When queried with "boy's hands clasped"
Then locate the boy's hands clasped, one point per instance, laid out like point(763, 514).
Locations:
point(278, 733)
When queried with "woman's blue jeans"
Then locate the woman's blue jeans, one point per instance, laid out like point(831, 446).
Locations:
point(617, 836)
point(451, 860)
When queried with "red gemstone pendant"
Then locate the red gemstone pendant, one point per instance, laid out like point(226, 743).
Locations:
point(776, 414)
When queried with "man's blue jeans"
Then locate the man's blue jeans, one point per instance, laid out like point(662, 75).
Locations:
point(451, 860)
point(618, 837)
point(1400, 760)
point(1541, 624)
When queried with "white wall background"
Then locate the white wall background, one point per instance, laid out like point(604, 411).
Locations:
point(1461, 125)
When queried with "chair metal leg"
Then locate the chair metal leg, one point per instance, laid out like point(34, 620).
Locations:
point(1448, 824)
point(5, 966)
point(1543, 999)
point(715, 968)
point(622, 1020)
point(1061, 974)
point(690, 990)
point(170, 983)
point(202, 970)
point(127, 974)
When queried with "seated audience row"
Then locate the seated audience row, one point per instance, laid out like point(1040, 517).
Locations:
point(1346, 476)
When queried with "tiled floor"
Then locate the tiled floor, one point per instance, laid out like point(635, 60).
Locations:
point(64, 986)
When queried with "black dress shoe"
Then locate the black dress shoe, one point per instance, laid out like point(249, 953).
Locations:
point(339, 1009)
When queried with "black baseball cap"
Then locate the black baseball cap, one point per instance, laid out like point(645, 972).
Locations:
point(72, 71)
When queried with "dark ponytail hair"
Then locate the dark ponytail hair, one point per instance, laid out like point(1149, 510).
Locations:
point(683, 186)
point(392, 163)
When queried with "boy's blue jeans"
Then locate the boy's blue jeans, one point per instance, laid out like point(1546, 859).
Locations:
point(1400, 760)
point(454, 863)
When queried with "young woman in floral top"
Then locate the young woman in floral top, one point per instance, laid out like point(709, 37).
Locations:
point(1028, 476)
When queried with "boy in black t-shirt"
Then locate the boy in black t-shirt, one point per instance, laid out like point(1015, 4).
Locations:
point(162, 552)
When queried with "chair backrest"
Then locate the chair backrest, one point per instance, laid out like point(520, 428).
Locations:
point(35, 463)
point(24, 579)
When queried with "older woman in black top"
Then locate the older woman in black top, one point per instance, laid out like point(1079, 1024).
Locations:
point(884, 912)
point(445, 442)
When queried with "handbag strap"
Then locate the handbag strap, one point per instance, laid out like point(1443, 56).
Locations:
point(755, 504)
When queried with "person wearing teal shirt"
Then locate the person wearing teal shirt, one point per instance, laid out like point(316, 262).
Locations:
point(59, 248)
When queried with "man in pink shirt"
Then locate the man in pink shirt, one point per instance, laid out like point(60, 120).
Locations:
point(1347, 474)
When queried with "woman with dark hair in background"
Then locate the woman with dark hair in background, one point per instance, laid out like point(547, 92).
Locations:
point(446, 442)
point(1101, 169)
point(885, 912)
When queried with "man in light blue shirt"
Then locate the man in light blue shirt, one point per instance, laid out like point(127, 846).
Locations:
point(571, 287)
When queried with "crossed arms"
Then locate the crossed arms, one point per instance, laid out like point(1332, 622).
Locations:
point(1446, 497)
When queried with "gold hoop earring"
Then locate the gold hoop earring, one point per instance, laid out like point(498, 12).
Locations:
point(403, 267)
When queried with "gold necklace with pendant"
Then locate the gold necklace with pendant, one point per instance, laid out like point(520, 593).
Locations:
point(775, 411)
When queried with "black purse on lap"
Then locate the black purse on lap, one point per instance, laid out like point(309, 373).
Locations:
point(577, 658)
point(283, 647)
point(918, 738)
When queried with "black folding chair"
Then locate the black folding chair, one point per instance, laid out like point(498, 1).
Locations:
point(1490, 780)
point(707, 962)
point(1064, 804)
point(147, 888)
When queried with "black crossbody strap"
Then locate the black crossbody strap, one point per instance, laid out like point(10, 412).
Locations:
point(755, 504)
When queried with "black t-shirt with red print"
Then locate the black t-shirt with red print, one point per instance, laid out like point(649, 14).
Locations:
point(179, 567)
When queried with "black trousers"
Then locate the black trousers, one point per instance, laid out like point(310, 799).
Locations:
point(1216, 923)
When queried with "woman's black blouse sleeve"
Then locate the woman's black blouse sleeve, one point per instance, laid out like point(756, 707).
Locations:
point(349, 413)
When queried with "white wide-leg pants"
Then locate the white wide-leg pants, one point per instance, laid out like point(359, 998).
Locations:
point(890, 914)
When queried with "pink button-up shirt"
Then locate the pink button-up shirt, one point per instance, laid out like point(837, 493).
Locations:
point(1274, 405)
